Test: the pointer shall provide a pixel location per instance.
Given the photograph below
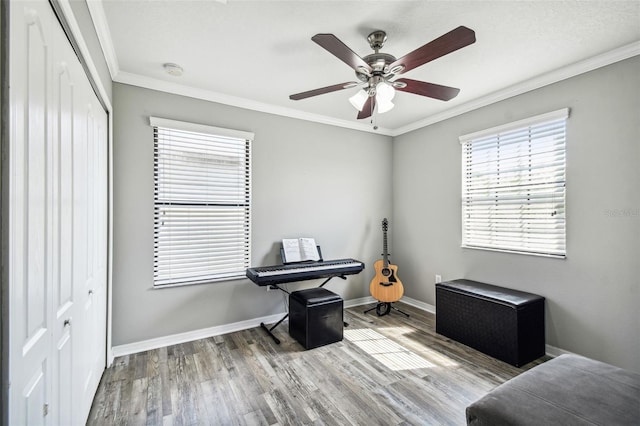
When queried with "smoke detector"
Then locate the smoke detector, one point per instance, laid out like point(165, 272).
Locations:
point(173, 69)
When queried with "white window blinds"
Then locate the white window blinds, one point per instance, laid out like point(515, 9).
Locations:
point(202, 208)
point(513, 188)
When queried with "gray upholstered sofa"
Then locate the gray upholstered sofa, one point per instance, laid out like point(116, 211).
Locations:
point(567, 390)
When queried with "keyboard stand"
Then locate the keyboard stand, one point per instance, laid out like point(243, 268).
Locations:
point(269, 330)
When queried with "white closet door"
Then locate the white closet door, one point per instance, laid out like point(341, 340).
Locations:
point(90, 236)
point(31, 360)
point(64, 98)
point(58, 231)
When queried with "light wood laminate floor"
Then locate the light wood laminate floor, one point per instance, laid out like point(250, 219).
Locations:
point(388, 370)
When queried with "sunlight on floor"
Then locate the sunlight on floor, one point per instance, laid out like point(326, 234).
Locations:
point(389, 353)
point(433, 356)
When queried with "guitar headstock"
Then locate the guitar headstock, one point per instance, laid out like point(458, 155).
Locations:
point(385, 224)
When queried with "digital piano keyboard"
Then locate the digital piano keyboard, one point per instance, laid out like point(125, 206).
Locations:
point(278, 274)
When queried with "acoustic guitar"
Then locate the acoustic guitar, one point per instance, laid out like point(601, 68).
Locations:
point(386, 286)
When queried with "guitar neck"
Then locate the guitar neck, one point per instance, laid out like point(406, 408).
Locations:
point(385, 254)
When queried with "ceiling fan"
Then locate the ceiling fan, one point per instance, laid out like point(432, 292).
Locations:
point(376, 71)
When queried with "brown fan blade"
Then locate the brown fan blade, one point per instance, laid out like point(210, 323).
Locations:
point(436, 91)
point(321, 91)
point(368, 107)
point(450, 42)
point(340, 50)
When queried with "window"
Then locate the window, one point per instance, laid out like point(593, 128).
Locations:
point(513, 188)
point(202, 203)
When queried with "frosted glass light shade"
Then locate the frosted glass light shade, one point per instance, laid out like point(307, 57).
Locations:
point(384, 92)
point(384, 106)
point(358, 100)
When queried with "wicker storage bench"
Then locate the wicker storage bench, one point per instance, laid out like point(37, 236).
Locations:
point(503, 323)
point(568, 390)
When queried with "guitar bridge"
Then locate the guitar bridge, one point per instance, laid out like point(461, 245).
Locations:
point(387, 284)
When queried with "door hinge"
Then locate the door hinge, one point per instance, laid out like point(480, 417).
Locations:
point(45, 410)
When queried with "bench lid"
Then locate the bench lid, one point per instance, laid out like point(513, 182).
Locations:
point(489, 291)
point(312, 296)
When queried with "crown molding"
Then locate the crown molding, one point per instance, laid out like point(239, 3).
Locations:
point(221, 98)
point(96, 10)
point(581, 67)
point(104, 36)
point(572, 70)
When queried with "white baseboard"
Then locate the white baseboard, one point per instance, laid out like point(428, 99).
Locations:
point(408, 300)
point(189, 336)
point(553, 352)
point(418, 304)
point(359, 301)
point(174, 339)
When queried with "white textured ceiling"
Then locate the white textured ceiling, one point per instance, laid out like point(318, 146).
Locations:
point(257, 53)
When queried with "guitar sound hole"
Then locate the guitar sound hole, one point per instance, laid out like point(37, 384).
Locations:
point(386, 272)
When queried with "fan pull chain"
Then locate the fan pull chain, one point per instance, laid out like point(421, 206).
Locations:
point(374, 117)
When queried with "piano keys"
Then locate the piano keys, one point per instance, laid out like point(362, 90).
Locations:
point(279, 274)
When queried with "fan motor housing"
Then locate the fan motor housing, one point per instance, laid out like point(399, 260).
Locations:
point(378, 62)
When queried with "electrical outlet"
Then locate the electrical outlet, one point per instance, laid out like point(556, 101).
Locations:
point(438, 278)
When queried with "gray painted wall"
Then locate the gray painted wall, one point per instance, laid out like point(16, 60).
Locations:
point(593, 295)
point(309, 179)
point(336, 184)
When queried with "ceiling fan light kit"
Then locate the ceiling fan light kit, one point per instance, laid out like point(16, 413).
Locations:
point(377, 70)
point(359, 99)
point(384, 106)
point(385, 91)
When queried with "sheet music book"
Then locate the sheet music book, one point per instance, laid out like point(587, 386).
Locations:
point(299, 250)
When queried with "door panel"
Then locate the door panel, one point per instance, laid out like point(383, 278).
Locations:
point(29, 296)
point(64, 200)
point(91, 282)
point(35, 396)
point(63, 392)
point(35, 177)
point(65, 74)
point(58, 238)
